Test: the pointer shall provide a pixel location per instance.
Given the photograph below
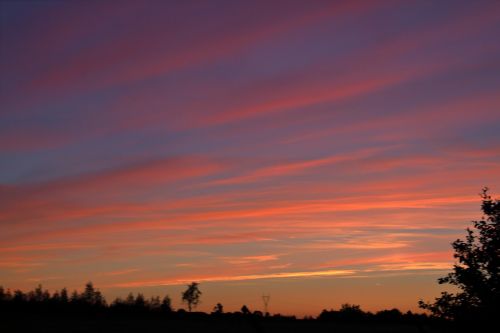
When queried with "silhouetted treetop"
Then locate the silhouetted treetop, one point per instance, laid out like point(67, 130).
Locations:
point(166, 304)
point(245, 310)
point(91, 296)
point(218, 309)
point(191, 295)
point(476, 272)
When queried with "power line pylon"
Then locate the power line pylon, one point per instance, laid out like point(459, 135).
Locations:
point(265, 299)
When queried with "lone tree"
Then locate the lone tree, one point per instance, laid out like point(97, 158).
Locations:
point(191, 295)
point(477, 272)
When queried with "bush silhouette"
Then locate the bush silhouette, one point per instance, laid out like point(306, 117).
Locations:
point(218, 309)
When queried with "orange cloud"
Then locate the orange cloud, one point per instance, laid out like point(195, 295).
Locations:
point(180, 281)
point(446, 266)
point(398, 261)
point(249, 259)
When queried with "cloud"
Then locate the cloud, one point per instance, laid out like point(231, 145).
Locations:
point(242, 260)
point(358, 244)
point(51, 197)
point(121, 272)
point(305, 274)
point(90, 69)
point(446, 266)
point(290, 168)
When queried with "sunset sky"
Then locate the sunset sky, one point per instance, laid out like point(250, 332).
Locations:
point(321, 152)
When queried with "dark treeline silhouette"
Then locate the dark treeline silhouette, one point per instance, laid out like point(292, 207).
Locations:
point(39, 310)
point(90, 302)
point(350, 313)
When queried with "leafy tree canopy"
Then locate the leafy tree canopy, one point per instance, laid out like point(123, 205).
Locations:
point(476, 272)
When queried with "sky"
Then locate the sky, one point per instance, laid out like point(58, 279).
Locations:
point(322, 152)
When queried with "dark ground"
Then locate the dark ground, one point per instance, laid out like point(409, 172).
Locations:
point(33, 323)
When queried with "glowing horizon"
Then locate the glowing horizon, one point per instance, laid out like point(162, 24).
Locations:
point(323, 152)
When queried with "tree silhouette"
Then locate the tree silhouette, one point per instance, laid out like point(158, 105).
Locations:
point(38, 295)
point(140, 301)
point(166, 304)
point(64, 296)
point(477, 273)
point(3, 294)
point(74, 297)
point(245, 310)
point(155, 303)
point(130, 300)
point(191, 295)
point(218, 309)
point(91, 296)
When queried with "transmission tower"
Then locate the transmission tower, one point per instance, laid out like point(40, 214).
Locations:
point(265, 299)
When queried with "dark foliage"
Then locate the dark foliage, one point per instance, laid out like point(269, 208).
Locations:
point(192, 295)
point(476, 274)
point(350, 313)
point(90, 301)
point(90, 312)
point(245, 310)
point(218, 309)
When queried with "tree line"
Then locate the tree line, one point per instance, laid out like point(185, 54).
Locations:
point(91, 301)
